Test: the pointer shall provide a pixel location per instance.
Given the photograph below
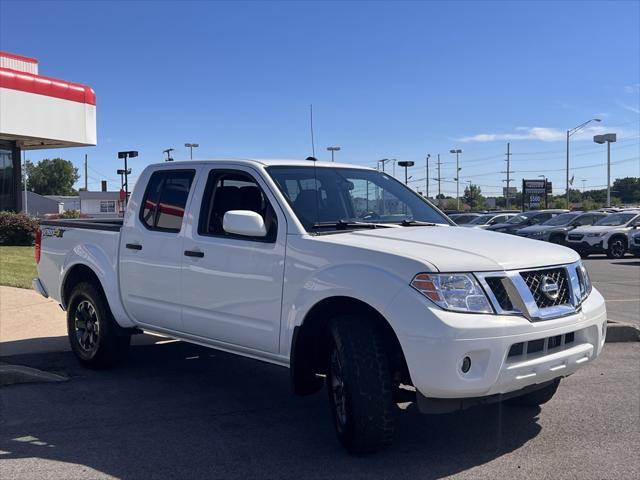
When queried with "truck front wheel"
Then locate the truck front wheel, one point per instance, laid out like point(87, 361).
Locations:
point(92, 331)
point(360, 386)
point(537, 397)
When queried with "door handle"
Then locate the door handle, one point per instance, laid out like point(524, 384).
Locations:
point(194, 253)
point(133, 246)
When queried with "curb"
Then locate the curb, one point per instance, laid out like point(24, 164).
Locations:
point(15, 374)
point(622, 332)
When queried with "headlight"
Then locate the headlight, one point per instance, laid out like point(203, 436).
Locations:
point(584, 281)
point(595, 234)
point(459, 292)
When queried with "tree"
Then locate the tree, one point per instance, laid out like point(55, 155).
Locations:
point(473, 196)
point(52, 177)
point(627, 189)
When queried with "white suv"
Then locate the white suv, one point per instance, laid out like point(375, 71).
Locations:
point(608, 235)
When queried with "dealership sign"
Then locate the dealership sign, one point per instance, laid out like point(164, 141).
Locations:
point(534, 193)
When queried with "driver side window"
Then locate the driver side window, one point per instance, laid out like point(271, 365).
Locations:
point(234, 190)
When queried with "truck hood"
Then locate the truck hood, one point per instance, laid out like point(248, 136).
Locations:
point(455, 249)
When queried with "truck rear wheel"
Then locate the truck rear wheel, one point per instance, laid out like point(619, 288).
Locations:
point(536, 398)
point(92, 331)
point(360, 386)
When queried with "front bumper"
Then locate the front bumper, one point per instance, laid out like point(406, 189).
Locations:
point(594, 246)
point(435, 343)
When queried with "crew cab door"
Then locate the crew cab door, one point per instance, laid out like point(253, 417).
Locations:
point(232, 285)
point(151, 250)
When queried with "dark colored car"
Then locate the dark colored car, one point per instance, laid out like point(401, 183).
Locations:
point(463, 218)
point(525, 219)
point(556, 229)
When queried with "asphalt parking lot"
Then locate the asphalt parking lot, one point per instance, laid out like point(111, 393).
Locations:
point(181, 411)
point(619, 283)
point(176, 410)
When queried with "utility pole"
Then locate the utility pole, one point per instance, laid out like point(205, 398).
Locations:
point(427, 177)
point(86, 175)
point(439, 178)
point(457, 152)
point(507, 196)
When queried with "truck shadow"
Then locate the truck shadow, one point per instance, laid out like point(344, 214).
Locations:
point(181, 411)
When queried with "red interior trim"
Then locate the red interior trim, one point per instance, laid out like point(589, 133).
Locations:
point(51, 87)
point(18, 57)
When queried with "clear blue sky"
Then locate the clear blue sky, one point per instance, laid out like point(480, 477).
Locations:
point(386, 79)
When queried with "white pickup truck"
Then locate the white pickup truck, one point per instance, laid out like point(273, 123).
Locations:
point(338, 272)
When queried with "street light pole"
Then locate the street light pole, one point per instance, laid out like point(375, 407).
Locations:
point(406, 165)
point(332, 150)
point(609, 138)
point(127, 171)
point(571, 132)
point(457, 151)
point(191, 146)
point(427, 179)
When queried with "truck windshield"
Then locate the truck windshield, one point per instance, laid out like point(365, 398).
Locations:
point(327, 196)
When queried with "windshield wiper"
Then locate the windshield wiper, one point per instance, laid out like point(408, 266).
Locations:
point(345, 224)
point(416, 223)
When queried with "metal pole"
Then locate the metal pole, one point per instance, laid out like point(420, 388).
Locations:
point(126, 181)
point(427, 195)
point(608, 174)
point(439, 177)
point(26, 205)
point(86, 176)
point(405, 176)
point(190, 152)
point(457, 183)
point(507, 200)
point(332, 155)
point(567, 172)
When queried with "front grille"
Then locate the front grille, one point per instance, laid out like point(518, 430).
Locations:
point(544, 345)
point(576, 237)
point(534, 280)
point(496, 286)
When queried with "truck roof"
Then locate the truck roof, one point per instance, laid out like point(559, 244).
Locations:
point(266, 163)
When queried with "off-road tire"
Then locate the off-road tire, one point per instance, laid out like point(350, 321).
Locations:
point(617, 247)
point(536, 398)
point(100, 346)
point(368, 419)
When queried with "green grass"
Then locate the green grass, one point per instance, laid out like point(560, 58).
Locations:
point(17, 266)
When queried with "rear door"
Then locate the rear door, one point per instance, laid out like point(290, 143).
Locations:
point(151, 250)
point(232, 285)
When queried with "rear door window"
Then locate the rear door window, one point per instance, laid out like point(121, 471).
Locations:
point(165, 200)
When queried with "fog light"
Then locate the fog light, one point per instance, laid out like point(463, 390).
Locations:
point(466, 364)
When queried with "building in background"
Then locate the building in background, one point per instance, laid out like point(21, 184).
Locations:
point(41, 205)
point(68, 202)
point(38, 112)
point(100, 204)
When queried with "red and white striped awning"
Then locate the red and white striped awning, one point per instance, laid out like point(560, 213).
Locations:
point(43, 112)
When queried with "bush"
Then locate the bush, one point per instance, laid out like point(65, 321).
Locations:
point(17, 228)
point(70, 214)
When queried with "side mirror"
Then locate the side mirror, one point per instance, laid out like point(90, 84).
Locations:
point(245, 223)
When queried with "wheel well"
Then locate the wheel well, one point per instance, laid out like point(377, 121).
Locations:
point(77, 274)
point(618, 236)
point(311, 343)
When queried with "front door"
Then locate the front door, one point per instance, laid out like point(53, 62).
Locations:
point(232, 285)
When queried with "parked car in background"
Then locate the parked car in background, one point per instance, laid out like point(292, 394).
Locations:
point(525, 219)
point(488, 219)
point(555, 230)
point(608, 235)
point(463, 218)
point(634, 242)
